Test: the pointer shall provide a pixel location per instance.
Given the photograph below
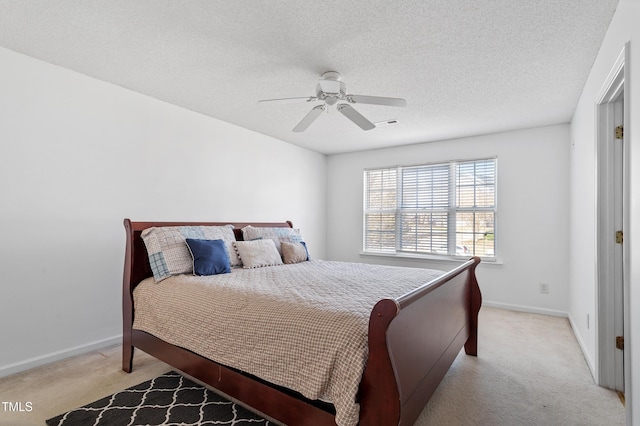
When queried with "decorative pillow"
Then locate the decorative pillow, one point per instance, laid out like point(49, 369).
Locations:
point(168, 251)
point(258, 253)
point(278, 235)
point(294, 252)
point(210, 257)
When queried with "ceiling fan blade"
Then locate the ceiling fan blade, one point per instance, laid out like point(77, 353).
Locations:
point(376, 100)
point(289, 100)
point(355, 116)
point(309, 118)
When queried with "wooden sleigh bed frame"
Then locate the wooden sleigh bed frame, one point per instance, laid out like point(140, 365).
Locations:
point(412, 343)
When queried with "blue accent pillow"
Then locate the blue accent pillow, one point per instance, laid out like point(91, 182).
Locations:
point(210, 257)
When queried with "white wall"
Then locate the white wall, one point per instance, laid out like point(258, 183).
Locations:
point(624, 27)
point(77, 156)
point(532, 217)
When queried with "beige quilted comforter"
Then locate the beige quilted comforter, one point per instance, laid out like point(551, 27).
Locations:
point(302, 326)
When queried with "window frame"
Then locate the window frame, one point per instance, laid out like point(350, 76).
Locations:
point(452, 210)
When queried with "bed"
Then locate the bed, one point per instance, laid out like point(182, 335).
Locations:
point(411, 339)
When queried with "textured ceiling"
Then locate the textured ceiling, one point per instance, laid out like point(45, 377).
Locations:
point(465, 67)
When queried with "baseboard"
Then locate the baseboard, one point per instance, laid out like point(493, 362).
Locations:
point(30, 363)
point(590, 362)
point(528, 309)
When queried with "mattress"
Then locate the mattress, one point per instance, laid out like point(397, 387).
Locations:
point(302, 326)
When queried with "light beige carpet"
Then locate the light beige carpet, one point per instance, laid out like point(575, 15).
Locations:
point(61, 386)
point(529, 371)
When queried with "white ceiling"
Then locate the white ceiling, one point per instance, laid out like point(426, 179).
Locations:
point(465, 67)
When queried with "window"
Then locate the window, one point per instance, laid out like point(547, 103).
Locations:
point(436, 209)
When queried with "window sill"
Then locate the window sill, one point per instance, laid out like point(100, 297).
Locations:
point(419, 257)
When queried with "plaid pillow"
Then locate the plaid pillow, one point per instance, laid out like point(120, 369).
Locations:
point(169, 253)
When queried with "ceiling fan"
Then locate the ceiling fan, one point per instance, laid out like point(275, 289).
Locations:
point(331, 91)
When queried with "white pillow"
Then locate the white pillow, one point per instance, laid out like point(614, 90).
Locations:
point(258, 253)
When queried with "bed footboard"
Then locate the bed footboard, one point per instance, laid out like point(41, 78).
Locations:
point(414, 340)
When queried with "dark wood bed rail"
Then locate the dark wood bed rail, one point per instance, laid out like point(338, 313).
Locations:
point(412, 343)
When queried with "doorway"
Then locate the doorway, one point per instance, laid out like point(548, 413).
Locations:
point(611, 218)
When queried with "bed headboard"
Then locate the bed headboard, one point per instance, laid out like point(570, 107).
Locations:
point(136, 259)
point(136, 268)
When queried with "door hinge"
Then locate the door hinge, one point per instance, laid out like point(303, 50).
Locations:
point(619, 237)
point(619, 132)
point(620, 342)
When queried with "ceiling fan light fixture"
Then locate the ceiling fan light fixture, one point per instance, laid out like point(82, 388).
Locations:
point(330, 87)
point(331, 100)
point(330, 90)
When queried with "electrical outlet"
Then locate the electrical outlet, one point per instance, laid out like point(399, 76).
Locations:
point(544, 288)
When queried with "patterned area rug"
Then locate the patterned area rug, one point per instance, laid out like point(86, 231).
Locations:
point(170, 399)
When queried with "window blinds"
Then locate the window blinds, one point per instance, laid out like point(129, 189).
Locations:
point(446, 208)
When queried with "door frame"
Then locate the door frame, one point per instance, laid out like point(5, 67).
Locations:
point(611, 98)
